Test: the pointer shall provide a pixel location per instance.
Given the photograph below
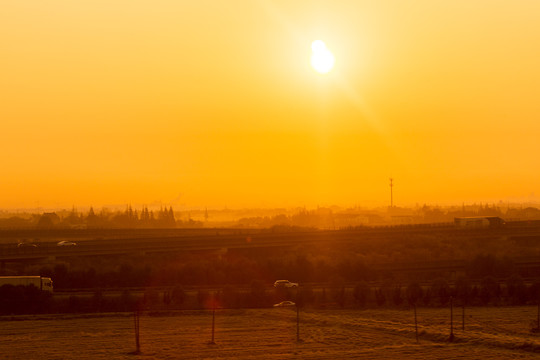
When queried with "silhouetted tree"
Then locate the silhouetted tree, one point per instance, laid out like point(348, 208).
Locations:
point(397, 299)
point(489, 290)
point(203, 297)
point(229, 297)
point(380, 297)
point(257, 294)
point(127, 301)
point(171, 219)
point(178, 295)
point(166, 298)
point(463, 290)
point(97, 301)
point(73, 219)
point(516, 290)
point(414, 293)
point(488, 265)
point(303, 269)
point(305, 295)
point(339, 296)
point(534, 292)
point(441, 290)
point(361, 292)
point(48, 221)
point(92, 220)
point(60, 276)
point(151, 297)
point(323, 298)
point(427, 298)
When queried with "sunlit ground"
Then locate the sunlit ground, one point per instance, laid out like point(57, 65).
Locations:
point(501, 333)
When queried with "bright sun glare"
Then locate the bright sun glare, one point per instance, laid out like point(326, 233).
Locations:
point(322, 59)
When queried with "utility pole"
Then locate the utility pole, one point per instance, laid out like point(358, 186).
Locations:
point(391, 193)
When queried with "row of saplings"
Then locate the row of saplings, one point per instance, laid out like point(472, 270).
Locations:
point(488, 291)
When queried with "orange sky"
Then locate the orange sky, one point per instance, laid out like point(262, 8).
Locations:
point(214, 103)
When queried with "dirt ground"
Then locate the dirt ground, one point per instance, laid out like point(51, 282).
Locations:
point(499, 333)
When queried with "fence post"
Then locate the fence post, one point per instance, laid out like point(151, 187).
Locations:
point(297, 324)
point(463, 317)
point(213, 318)
point(136, 317)
point(451, 319)
point(537, 328)
point(415, 322)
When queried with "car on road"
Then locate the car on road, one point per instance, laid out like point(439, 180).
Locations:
point(285, 283)
point(285, 303)
point(26, 245)
point(66, 243)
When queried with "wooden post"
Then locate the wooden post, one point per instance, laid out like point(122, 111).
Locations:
point(538, 316)
point(213, 318)
point(451, 319)
point(136, 317)
point(297, 324)
point(415, 323)
point(213, 325)
point(463, 317)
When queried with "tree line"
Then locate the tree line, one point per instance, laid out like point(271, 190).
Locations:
point(128, 219)
point(488, 292)
point(242, 268)
point(322, 217)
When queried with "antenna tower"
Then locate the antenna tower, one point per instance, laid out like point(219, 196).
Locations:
point(391, 193)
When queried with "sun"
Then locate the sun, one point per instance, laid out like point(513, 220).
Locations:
point(322, 59)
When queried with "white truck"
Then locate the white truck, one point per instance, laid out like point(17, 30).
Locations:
point(42, 283)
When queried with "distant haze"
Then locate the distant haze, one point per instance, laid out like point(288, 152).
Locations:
point(212, 103)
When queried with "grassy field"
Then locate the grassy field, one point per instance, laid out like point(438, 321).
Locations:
point(500, 333)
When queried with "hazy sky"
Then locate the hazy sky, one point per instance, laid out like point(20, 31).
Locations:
point(214, 103)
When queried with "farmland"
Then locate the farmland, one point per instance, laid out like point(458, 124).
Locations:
point(354, 291)
point(357, 268)
point(502, 333)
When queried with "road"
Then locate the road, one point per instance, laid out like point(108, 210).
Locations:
point(102, 242)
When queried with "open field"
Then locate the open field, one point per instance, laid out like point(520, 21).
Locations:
point(411, 249)
point(501, 333)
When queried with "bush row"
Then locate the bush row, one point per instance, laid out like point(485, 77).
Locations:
point(488, 291)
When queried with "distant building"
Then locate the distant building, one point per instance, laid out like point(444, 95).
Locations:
point(402, 219)
point(346, 220)
point(476, 222)
point(358, 219)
